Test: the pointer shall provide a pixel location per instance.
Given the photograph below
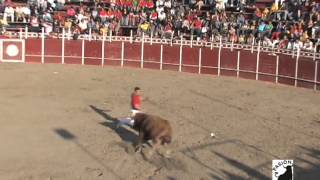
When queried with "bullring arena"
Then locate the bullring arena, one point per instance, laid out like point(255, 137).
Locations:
point(56, 114)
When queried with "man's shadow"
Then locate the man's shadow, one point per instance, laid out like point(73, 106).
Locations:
point(126, 134)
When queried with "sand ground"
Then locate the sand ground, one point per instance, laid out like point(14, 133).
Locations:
point(54, 124)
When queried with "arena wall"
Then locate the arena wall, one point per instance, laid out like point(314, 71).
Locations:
point(251, 62)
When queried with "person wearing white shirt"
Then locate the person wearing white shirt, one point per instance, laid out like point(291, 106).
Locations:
point(8, 12)
point(162, 16)
point(308, 45)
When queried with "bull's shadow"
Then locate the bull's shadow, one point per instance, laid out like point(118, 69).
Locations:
point(126, 134)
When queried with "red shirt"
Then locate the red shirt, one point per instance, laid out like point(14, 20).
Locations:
point(135, 101)
point(197, 24)
point(150, 4)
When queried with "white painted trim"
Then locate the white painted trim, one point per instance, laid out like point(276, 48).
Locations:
point(297, 68)
point(238, 64)
point(122, 53)
point(69, 33)
point(180, 60)
point(277, 70)
point(316, 75)
point(232, 42)
point(252, 45)
point(26, 32)
point(314, 52)
point(219, 57)
point(200, 59)
point(82, 55)
point(110, 36)
point(23, 48)
point(20, 33)
point(131, 38)
point(142, 51)
point(151, 39)
point(90, 34)
point(62, 49)
point(42, 46)
point(191, 41)
point(171, 39)
point(258, 61)
point(102, 50)
point(161, 56)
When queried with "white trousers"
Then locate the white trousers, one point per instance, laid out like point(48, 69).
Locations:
point(128, 120)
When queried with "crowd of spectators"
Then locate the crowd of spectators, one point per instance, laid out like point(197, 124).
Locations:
point(285, 24)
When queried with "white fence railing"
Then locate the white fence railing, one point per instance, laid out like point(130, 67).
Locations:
point(24, 34)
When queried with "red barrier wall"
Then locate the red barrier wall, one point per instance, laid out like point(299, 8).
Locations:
point(228, 62)
point(209, 61)
point(93, 52)
point(73, 52)
point(132, 54)
point(171, 59)
point(287, 66)
point(267, 65)
point(33, 50)
point(152, 56)
point(52, 51)
point(190, 59)
point(306, 71)
point(247, 64)
point(112, 53)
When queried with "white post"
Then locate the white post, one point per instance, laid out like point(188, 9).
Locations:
point(131, 36)
point(180, 60)
point(238, 64)
point(69, 33)
point(258, 61)
point(232, 42)
point(90, 35)
point(82, 56)
point(200, 54)
point(62, 51)
point(102, 52)
point(161, 52)
point(293, 50)
point(122, 53)
point(142, 50)
point(314, 52)
point(277, 70)
point(316, 76)
point(252, 44)
point(26, 32)
point(211, 45)
point(171, 39)
point(42, 46)
point(110, 36)
point(20, 34)
point(219, 56)
point(191, 42)
point(297, 64)
point(151, 38)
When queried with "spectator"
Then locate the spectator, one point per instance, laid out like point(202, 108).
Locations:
point(9, 12)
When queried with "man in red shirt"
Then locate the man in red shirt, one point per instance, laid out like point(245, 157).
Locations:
point(135, 108)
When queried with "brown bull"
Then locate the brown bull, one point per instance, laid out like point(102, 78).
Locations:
point(152, 128)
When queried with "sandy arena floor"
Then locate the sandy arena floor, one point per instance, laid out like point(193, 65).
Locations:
point(54, 125)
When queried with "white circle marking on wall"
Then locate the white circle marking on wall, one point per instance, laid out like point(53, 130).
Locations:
point(12, 50)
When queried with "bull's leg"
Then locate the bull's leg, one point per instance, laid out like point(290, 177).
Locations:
point(160, 147)
point(140, 140)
